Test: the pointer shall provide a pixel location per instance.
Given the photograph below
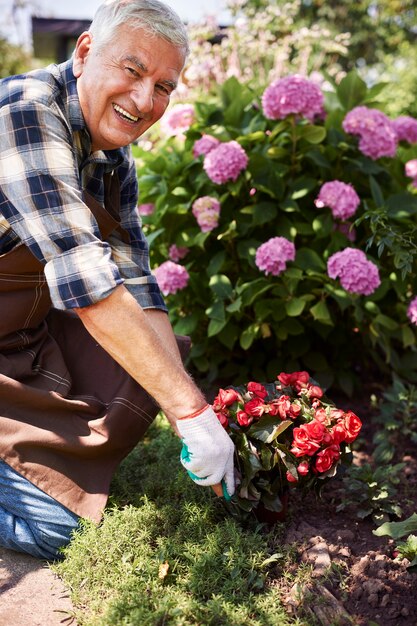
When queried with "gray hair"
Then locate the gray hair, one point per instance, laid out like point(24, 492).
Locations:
point(153, 16)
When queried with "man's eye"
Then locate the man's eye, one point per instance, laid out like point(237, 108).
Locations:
point(163, 89)
point(131, 71)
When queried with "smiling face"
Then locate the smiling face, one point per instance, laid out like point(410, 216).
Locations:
point(125, 86)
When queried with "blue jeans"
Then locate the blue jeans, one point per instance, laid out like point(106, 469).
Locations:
point(30, 520)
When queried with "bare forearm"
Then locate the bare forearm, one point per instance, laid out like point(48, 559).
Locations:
point(142, 342)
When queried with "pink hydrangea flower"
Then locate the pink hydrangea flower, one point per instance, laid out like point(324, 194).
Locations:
point(377, 133)
point(225, 162)
point(356, 273)
point(272, 256)
point(406, 128)
point(178, 120)
point(412, 311)
point(204, 145)
point(292, 95)
point(411, 171)
point(176, 253)
point(146, 209)
point(340, 197)
point(171, 277)
point(411, 168)
point(206, 210)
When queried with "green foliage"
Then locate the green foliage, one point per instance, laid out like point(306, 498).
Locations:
point(372, 491)
point(172, 558)
point(405, 549)
point(397, 421)
point(300, 319)
point(13, 59)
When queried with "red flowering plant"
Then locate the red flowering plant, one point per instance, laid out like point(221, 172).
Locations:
point(286, 434)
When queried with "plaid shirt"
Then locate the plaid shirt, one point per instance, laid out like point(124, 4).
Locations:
point(45, 163)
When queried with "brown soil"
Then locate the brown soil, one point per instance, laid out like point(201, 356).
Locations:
point(367, 584)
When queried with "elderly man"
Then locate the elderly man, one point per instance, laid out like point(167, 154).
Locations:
point(87, 354)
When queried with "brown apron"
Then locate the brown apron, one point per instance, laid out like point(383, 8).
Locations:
point(68, 412)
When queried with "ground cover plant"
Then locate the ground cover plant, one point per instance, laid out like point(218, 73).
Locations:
point(168, 552)
point(172, 556)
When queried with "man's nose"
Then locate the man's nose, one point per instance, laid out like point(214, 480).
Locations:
point(142, 97)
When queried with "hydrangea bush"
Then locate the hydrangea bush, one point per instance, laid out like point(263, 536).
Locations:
point(295, 222)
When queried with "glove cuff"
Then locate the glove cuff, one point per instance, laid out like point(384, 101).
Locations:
point(195, 414)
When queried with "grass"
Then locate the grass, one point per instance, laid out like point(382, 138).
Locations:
point(166, 553)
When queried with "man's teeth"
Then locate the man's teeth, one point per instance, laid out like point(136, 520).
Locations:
point(119, 109)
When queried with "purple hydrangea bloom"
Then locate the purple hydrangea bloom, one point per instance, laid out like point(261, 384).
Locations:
point(176, 253)
point(206, 210)
point(178, 119)
point(293, 95)
point(146, 209)
point(340, 197)
point(204, 145)
point(376, 131)
point(272, 256)
point(406, 128)
point(412, 311)
point(171, 277)
point(225, 162)
point(356, 273)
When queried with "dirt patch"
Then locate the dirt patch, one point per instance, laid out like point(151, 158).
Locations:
point(365, 581)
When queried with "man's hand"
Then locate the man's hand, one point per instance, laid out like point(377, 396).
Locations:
point(207, 452)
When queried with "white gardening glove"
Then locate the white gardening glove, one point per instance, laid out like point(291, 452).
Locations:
point(207, 452)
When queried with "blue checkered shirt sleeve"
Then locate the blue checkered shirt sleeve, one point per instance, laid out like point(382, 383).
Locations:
point(41, 200)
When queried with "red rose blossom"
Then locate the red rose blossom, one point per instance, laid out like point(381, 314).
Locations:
point(303, 468)
point(225, 397)
point(257, 389)
point(255, 407)
point(223, 419)
point(296, 379)
point(352, 425)
point(326, 457)
point(302, 443)
point(338, 433)
point(243, 418)
point(291, 478)
point(314, 391)
point(315, 430)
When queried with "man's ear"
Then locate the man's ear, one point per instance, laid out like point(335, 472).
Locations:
point(81, 52)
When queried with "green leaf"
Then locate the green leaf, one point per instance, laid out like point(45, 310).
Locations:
point(264, 212)
point(248, 336)
point(235, 306)
point(216, 263)
point(152, 236)
point(396, 530)
point(216, 311)
point(295, 306)
point(408, 337)
point(215, 326)
point(221, 286)
point(251, 291)
point(387, 322)
point(312, 134)
point(321, 313)
point(186, 325)
point(302, 186)
point(376, 191)
point(267, 428)
point(308, 259)
point(351, 90)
